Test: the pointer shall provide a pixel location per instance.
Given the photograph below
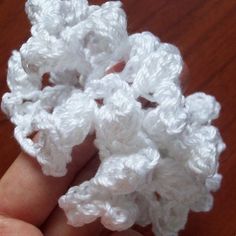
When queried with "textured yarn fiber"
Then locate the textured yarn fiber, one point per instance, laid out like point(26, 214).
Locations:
point(157, 162)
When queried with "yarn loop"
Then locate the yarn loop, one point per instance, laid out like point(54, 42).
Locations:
point(168, 149)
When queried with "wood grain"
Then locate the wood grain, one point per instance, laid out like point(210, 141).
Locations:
point(205, 32)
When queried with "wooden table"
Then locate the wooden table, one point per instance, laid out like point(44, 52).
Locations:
point(205, 32)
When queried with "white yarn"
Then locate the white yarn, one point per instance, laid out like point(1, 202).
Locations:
point(157, 163)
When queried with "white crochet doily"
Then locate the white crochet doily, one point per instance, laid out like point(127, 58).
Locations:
point(157, 162)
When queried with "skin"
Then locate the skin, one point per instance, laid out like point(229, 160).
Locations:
point(29, 199)
point(28, 203)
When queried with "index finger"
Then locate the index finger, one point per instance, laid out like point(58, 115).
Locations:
point(27, 194)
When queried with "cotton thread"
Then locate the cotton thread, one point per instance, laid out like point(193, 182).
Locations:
point(157, 163)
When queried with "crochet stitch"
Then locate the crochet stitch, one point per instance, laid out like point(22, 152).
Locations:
point(157, 162)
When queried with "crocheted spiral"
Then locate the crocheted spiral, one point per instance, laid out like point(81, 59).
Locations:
point(157, 162)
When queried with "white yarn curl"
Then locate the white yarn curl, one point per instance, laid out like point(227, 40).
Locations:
point(157, 163)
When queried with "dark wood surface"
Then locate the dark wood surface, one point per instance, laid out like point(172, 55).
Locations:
point(205, 32)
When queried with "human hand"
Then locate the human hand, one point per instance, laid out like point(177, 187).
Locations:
point(28, 203)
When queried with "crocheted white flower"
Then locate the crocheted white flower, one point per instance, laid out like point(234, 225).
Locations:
point(157, 162)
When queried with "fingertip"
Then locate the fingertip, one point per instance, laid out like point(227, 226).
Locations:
point(10, 226)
